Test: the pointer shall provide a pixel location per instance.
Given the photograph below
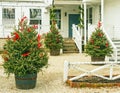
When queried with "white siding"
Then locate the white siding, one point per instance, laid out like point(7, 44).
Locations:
point(23, 9)
point(96, 14)
point(111, 17)
point(112, 12)
point(45, 21)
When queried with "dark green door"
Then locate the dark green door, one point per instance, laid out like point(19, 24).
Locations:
point(73, 19)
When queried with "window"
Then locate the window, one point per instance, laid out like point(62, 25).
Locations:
point(8, 13)
point(100, 12)
point(8, 16)
point(89, 15)
point(35, 16)
point(58, 17)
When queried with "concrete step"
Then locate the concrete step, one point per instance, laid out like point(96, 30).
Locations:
point(69, 46)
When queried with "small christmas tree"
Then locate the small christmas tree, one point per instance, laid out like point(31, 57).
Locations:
point(98, 45)
point(53, 39)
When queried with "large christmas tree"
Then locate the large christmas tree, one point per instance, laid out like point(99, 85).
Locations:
point(23, 52)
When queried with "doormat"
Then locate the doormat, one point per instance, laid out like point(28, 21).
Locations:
point(93, 82)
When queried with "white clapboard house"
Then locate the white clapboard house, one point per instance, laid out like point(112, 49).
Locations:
point(106, 11)
point(11, 11)
point(67, 17)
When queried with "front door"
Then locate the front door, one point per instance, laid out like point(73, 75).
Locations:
point(73, 19)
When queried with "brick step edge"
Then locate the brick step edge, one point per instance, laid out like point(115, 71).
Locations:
point(74, 84)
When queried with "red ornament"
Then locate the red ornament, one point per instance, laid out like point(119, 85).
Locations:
point(35, 26)
point(99, 24)
point(25, 54)
point(16, 36)
point(28, 29)
point(39, 45)
point(38, 38)
point(107, 44)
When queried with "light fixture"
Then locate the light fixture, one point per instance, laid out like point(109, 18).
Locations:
point(65, 13)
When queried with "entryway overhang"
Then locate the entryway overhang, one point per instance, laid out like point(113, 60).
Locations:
point(67, 2)
point(91, 1)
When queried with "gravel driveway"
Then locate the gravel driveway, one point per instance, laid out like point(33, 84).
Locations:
point(51, 80)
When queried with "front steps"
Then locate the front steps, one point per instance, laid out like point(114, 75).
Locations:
point(117, 44)
point(69, 46)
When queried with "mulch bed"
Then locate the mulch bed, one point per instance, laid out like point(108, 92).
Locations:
point(93, 82)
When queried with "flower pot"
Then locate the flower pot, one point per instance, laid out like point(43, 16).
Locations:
point(96, 59)
point(55, 52)
point(27, 81)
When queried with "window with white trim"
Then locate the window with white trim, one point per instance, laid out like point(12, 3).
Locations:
point(90, 15)
point(8, 16)
point(35, 16)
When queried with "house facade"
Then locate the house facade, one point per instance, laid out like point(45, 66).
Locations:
point(37, 12)
point(67, 13)
point(111, 18)
point(106, 11)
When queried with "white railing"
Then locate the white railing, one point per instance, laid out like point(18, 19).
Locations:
point(77, 36)
point(112, 44)
point(109, 66)
point(91, 29)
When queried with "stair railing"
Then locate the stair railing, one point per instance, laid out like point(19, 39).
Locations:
point(77, 36)
point(112, 44)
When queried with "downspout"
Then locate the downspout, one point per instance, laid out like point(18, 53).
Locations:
point(85, 24)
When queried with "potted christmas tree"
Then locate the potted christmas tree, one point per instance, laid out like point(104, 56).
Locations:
point(53, 39)
point(98, 46)
point(24, 56)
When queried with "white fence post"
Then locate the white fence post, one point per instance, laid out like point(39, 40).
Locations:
point(66, 67)
point(111, 71)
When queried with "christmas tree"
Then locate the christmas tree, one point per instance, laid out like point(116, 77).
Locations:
point(23, 52)
point(98, 45)
point(53, 39)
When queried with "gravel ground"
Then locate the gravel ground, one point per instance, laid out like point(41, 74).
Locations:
point(51, 80)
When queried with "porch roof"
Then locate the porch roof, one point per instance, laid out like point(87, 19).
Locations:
point(68, 2)
point(92, 1)
point(22, 0)
point(19, 0)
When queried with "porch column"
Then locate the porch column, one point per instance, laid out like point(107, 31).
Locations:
point(85, 24)
point(102, 12)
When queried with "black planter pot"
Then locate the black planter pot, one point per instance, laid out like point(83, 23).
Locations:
point(27, 81)
point(55, 52)
point(96, 59)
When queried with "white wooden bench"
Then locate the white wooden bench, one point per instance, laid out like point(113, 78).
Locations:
point(75, 65)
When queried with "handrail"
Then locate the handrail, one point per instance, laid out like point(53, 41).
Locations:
point(112, 44)
point(77, 37)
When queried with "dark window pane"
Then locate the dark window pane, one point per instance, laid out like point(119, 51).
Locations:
point(57, 17)
point(35, 16)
